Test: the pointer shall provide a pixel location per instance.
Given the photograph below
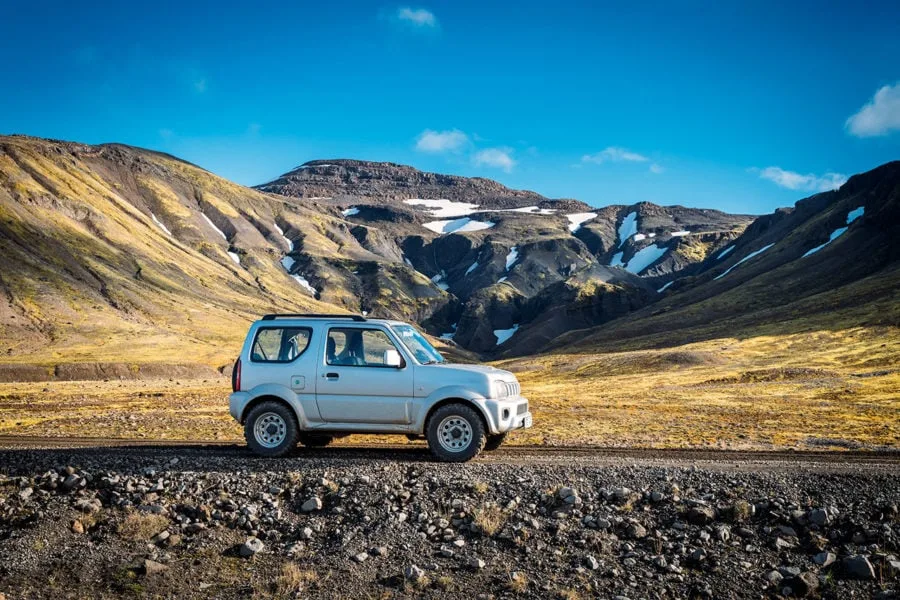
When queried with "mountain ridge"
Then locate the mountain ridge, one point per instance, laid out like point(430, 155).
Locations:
point(137, 249)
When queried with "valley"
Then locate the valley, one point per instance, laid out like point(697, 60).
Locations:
point(639, 325)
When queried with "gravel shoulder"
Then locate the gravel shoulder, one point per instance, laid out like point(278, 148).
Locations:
point(216, 522)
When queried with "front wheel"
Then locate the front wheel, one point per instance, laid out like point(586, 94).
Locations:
point(271, 429)
point(494, 441)
point(455, 433)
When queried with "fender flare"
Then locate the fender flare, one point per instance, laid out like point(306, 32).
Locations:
point(451, 393)
point(278, 392)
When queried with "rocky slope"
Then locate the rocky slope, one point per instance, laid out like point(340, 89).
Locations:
point(829, 262)
point(214, 524)
point(122, 256)
point(509, 258)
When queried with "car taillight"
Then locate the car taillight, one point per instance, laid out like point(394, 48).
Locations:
point(236, 376)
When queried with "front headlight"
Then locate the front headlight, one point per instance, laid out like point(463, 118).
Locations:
point(505, 389)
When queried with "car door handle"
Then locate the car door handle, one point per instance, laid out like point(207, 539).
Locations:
point(331, 376)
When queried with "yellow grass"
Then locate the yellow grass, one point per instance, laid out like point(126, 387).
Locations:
point(824, 389)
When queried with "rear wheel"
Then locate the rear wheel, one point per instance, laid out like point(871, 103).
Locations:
point(455, 433)
point(494, 441)
point(314, 440)
point(271, 429)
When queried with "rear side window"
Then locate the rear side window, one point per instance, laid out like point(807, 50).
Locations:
point(279, 344)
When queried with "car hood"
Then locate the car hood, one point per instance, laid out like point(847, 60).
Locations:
point(483, 369)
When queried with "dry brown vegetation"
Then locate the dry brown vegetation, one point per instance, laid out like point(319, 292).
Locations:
point(823, 389)
point(140, 527)
point(293, 580)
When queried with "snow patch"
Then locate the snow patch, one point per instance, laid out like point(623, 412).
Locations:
point(457, 225)
point(159, 223)
point(350, 211)
point(512, 257)
point(680, 233)
point(534, 210)
point(628, 228)
point(645, 257)
point(617, 260)
point(288, 263)
point(449, 335)
point(472, 267)
point(235, 257)
point(503, 335)
point(438, 280)
point(851, 216)
point(305, 285)
point(745, 259)
point(284, 237)
point(725, 252)
point(502, 279)
point(665, 287)
point(639, 236)
point(577, 219)
point(834, 235)
point(213, 225)
point(443, 207)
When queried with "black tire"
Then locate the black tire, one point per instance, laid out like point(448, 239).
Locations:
point(311, 440)
point(457, 422)
point(494, 441)
point(283, 431)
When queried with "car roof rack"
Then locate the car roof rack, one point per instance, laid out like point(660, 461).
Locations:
point(311, 316)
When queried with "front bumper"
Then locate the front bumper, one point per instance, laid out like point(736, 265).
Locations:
point(508, 414)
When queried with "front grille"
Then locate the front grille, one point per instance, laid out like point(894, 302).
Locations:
point(522, 408)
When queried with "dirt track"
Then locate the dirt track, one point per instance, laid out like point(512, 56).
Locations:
point(823, 461)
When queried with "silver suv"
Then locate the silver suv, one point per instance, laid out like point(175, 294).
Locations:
point(311, 378)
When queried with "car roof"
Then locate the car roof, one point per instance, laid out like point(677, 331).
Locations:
point(330, 319)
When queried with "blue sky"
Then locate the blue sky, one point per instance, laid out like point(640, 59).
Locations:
point(742, 106)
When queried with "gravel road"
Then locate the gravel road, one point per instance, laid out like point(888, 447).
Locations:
point(213, 521)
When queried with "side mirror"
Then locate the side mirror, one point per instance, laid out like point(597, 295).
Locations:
point(392, 358)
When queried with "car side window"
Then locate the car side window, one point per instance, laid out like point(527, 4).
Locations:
point(280, 344)
point(356, 347)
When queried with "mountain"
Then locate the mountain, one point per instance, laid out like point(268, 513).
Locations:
point(386, 181)
point(830, 263)
point(117, 260)
point(509, 257)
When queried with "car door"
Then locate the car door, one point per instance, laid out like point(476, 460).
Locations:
point(355, 383)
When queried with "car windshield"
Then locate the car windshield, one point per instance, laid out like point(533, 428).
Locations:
point(418, 346)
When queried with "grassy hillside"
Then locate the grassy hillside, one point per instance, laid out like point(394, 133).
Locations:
point(112, 254)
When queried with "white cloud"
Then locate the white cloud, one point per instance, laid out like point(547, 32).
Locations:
point(656, 169)
point(797, 181)
point(452, 140)
point(614, 154)
point(418, 17)
point(880, 116)
point(500, 158)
